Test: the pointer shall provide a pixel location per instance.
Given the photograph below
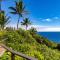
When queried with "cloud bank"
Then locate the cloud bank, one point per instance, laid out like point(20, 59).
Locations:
point(46, 28)
point(41, 28)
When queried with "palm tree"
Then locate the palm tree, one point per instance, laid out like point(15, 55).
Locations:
point(4, 20)
point(33, 30)
point(19, 9)
point(26, 22)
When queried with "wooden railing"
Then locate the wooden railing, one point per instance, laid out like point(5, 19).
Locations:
point(13, 53)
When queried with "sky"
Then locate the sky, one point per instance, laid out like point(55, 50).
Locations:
point(44, 14)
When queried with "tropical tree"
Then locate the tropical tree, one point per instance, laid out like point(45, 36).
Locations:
point(33, 30)
point(4, 20)
point(19, 9)
point(26, 22)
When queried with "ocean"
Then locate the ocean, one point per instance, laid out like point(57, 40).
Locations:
point(52, 36)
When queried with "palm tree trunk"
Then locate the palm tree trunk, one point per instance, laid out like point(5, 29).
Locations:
point(18, 23)
point(26, 27)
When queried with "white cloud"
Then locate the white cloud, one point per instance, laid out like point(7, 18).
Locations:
point(47, 20)
point(56, 17)
point(47, 28)
point(50, 29)
point(50, 19)
point(41, 28)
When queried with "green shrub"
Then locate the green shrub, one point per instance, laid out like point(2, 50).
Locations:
point(35, 54)
point(24, 42)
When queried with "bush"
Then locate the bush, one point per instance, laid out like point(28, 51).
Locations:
point(36, 54)
point(24, 42)
point(58, 46)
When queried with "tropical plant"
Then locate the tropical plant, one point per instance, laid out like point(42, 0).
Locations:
point(19, 9)
point(58, 46)
point(4, 20)
point(33, 30)
point(17, 40)
point(26, 22)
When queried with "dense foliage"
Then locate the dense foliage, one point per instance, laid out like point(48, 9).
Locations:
point(28, 43)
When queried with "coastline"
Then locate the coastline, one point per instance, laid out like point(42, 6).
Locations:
point(52, 36)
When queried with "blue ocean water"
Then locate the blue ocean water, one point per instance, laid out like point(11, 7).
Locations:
point(52, 36)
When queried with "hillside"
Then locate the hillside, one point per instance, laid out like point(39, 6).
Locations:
point(29, 43)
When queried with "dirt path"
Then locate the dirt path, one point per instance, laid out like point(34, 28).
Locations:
point(2, 50)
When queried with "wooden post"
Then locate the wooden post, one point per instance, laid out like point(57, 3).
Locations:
point(13, 53)
point(12, 56)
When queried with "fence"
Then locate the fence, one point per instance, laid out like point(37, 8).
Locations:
point(13, 53)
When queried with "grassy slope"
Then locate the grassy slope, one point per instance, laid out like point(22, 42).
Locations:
point(29, 44)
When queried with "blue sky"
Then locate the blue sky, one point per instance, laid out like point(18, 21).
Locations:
point(42, 12)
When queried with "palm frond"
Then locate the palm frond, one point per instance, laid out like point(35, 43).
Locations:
point(26, 21)
point(12, 8)
point(13, 12)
